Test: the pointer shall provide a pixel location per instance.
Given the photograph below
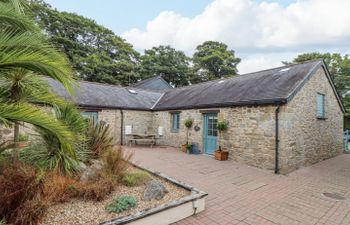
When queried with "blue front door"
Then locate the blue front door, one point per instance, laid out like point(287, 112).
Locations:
point(210, 135)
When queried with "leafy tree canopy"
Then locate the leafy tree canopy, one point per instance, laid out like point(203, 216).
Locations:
point(213, 60)
point(338, 65)
point(95, 52)
point(165, 61)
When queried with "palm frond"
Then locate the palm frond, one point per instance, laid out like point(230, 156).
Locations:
point(39, 118)
point(11, 15)
point(29, 51)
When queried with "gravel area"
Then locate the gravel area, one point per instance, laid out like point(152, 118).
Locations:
point(78, 211)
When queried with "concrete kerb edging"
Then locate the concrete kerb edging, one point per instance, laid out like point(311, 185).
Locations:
point(195, 195)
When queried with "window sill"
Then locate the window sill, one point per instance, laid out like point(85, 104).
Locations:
point(321, 118)
point(174, 131)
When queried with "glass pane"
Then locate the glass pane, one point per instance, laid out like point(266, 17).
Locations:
point(90, 114)
point(320, 105)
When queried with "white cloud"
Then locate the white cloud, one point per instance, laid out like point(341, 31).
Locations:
point(260, 32)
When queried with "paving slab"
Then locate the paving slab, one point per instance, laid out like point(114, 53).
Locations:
point(240, 194)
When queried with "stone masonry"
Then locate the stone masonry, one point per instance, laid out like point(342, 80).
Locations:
point(304, 139)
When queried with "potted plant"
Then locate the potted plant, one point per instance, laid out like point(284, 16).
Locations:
point(23, 141)
point(188, 125)
point(188, 148)
point(221, 154)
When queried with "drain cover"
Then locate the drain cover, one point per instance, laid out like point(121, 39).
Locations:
point(334, 196)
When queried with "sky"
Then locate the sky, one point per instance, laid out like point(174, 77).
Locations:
point(262, 32)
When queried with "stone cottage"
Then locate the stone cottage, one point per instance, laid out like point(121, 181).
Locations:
point(279, 119)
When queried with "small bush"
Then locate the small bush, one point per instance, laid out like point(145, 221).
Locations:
point(23, 137)
point(3, 222)
point(115, 163)
point(19, 190)
point(99, 137)
point(188, 123)
point(58, 188)
point(121, 204)
point(94, 190)
point(222, 125)
point(136, 178)
point(31, 211)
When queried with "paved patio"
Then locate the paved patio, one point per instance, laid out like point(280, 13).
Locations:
point(239, 194)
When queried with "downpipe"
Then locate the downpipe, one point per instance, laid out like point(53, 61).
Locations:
point(121, 127)
point(277, 170)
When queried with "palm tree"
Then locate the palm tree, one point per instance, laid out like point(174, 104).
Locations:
point(24, 54)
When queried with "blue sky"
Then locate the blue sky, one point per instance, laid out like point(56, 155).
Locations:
point(123, 15)
point(262, 32)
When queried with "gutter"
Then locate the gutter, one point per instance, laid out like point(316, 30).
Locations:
point(277, 170)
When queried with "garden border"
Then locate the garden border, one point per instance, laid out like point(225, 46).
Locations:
point(196, 200)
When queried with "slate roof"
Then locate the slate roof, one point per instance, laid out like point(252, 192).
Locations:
point(90, 94)
point(273, 86)
point(153, 83)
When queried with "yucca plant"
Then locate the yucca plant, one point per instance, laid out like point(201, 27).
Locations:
point(99, 137)
point(50, 154)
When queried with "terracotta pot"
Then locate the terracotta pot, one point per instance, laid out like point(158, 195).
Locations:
point(22, 144)
point(183, 147)
point(221, 155)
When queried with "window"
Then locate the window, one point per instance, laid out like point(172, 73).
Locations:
point(320, 106)
point(212, 123)
point(90, 114)
point(175, 122)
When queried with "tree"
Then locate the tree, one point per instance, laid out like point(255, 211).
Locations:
point(95, 52)
point(213, 60)
point(338, 65)
point(24, 48)
point(166, 62)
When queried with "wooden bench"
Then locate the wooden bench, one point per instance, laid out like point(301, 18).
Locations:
point(138, 139)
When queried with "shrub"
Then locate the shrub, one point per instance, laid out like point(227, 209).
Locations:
point(58, 188)
point(115, 162)
point(45, 157)
point(31, 211)
point(121, 204)
point(188, 123)
point(20, 186)
point(136, 178)
point(23, 137)
point(95, 190)
point(222, 125)
point(99, 137)
point(3, 222)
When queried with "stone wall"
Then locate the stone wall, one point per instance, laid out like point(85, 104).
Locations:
point(249, 138)
point(304, 139)
point(141, 122)
point(113, 118)
point(175, 139)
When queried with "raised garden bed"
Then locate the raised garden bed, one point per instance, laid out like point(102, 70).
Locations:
point(180, 202)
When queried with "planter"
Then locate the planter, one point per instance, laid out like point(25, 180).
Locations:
point(167, 213)
point(22, 144)
point(195, 150)
point(221, 155)
point(183, 147)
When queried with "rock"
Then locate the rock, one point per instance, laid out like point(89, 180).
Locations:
point(154, 190)
point(89, 172)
